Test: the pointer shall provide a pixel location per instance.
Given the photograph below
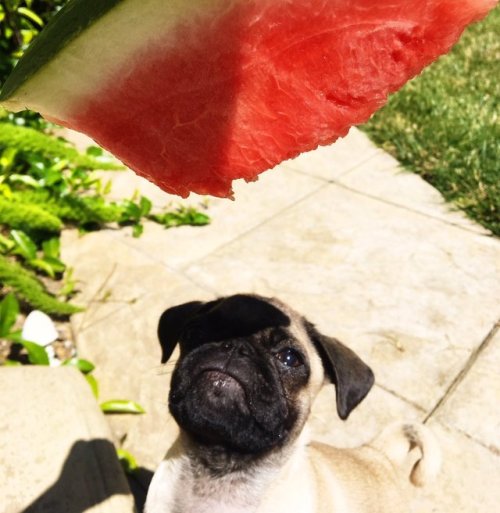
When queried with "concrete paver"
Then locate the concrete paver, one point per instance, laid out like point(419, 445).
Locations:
point(383, 178)
point(334, 161)
point(380, 408)
point(369, 253)
point(255, 203)
point(56, 449)
point(473, 407)
point(468, 481)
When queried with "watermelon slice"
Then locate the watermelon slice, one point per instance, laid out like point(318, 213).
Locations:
point(193, 94)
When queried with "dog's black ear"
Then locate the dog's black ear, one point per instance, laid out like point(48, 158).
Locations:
point(172, 322)
point(353, 379)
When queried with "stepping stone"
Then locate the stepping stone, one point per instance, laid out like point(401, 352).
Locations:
point(56, 453)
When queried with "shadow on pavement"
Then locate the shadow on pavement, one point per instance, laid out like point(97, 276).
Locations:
point(139, 484)
point(90, 475)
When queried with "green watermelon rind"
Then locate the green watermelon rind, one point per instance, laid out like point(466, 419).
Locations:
point(73, 19)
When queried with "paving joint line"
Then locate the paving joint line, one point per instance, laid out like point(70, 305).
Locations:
point(155, 261)
point(93, 299)
point(181, 270)
point(121, 240)
point(118, 239)
point(464, 371)
point(413, 210)
point(258, 225)
point(94, 321)
point(401, 398)
point(202, 286)
point(490, 448)
point(375, 151)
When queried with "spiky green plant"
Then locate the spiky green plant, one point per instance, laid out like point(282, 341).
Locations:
point(28, 217)
point(72, 209)
point(29, 140)
point(30, 289)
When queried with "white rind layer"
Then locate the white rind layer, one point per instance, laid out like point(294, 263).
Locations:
point(81, 67)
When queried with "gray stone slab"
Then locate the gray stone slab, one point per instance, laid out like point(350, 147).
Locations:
point(95, 258)
point(56, 452)
point(377, 410)
point(255, 203)
point(149, 436)
point(383, 177)
point(474, 406)
point(111, 275)
point(331, 162)
point(468, 481)
point(412, 294)
point(126, 184)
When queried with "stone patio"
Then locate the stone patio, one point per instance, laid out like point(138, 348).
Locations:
point(368, 252)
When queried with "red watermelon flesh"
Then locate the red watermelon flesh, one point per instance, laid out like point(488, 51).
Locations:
point(240, 86)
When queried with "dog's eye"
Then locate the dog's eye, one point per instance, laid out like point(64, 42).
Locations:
point(289, 357)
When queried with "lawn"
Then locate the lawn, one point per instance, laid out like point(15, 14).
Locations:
point(445, 126)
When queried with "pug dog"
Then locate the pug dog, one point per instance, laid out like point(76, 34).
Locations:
point(241, 392)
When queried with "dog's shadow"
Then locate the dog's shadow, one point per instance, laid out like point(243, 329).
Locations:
point(138, 482)
point(91, 474)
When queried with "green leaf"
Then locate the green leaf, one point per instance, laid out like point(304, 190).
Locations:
point(30, 15)
point(94, 151)
point(131, 211)
point(55, 263)
point(24, 244)
point(5, 189)
point(9, 310)
point(182, 216)
point(121, 406)
point(167, 219)
point(82, 365)
point(52, 177)
point(15, 336)
point(137, 230)
point(28, 35)
point(12, 363)
point(129, 463)
point(5, 244)
point(7, 158)
point(94, 385)
point(42, 265)
point(25, 179)
point(145, 205)
point(52, 247)
point(199, 219)
point(107, 187)
point(36, 353)
point(69, 284)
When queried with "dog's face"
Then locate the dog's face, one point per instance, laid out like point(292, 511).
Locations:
point(249, 369)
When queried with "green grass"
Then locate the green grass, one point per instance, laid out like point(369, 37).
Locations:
point(445, 124)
